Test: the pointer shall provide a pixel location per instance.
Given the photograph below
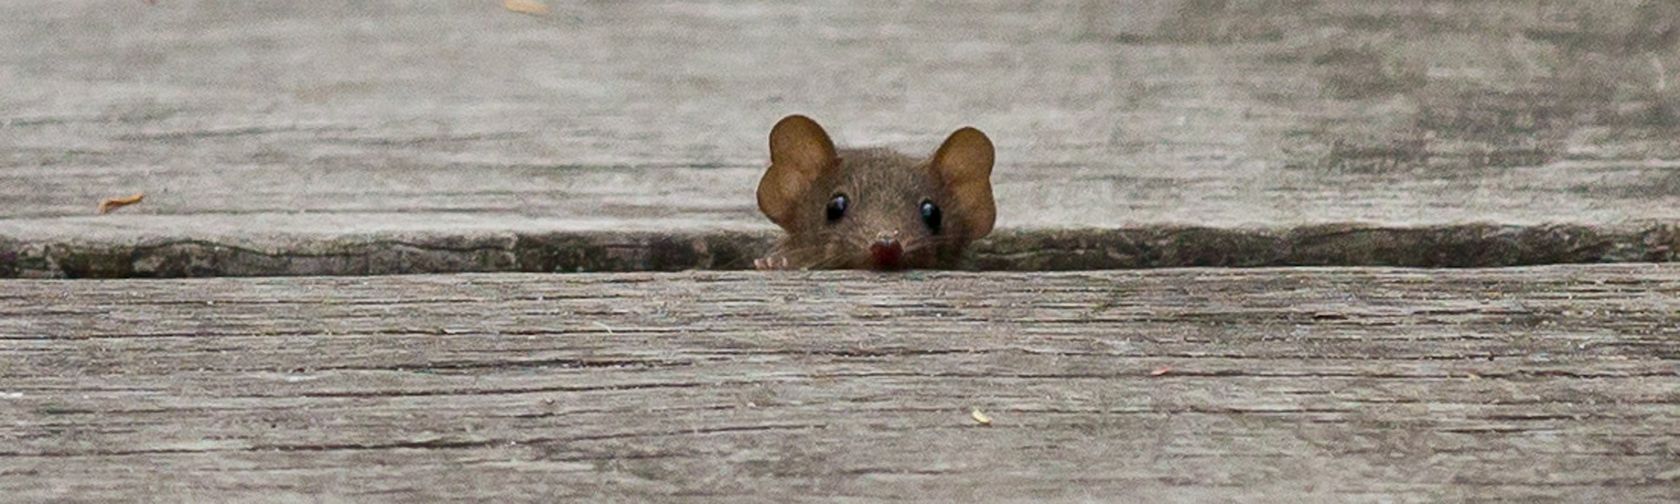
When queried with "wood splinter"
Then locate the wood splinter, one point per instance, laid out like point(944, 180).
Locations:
point(528, 7)
point(110, 204)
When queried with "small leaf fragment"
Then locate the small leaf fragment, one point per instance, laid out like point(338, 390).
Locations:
point(980, 418)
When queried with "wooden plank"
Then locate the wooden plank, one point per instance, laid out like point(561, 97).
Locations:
point(1551, 384)
point(269, 122)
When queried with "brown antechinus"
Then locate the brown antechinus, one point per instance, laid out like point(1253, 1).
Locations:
point(874, 208)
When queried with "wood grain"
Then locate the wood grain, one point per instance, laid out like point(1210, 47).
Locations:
point(1551, 384)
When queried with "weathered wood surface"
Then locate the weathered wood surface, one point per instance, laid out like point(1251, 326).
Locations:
point(289, 132)
point(1551, 384)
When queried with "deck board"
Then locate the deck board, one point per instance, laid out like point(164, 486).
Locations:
point(298, 130)
point(1550, 384)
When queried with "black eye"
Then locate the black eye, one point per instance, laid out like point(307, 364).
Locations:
point(837, 207)
point(930, 216)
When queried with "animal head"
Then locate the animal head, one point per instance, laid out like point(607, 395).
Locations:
point(874, 208)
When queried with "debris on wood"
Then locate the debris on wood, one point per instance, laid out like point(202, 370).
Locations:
point(1161, 371)
point(531, 7)
point(980, 418)
point(110, 204)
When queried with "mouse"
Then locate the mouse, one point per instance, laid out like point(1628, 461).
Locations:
point(873, 208)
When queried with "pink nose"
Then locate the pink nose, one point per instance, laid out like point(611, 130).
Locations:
point(887, 253)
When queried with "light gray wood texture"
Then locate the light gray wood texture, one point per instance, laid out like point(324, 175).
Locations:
point(1550, 384)
point(297, 130)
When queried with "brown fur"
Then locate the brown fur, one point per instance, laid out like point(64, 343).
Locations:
point(885, 189)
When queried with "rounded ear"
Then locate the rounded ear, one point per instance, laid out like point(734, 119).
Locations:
point(964, 163)
point(800, 151)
